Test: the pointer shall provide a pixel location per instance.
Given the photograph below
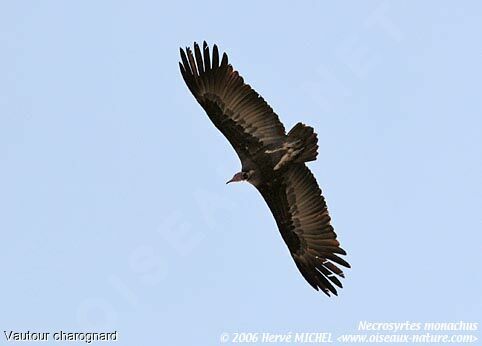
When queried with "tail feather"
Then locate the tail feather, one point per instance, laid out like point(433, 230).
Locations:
point(308, 141)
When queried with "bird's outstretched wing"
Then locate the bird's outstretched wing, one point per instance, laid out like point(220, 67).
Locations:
point(301, 214)
point(238, 111)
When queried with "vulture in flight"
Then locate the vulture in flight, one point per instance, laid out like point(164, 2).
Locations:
point(272, 160)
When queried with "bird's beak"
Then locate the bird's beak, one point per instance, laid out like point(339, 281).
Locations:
point(236, 177)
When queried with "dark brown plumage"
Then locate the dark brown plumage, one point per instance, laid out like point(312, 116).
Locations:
point(273, 161)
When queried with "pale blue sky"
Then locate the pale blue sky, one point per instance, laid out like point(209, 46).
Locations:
point(114, 208)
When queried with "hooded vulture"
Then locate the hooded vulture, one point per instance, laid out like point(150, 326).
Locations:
point(272, 160)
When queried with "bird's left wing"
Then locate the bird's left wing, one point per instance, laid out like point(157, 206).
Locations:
point(238, 111)
point(302, 217)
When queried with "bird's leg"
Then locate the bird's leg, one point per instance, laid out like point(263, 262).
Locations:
point(274, 150)
point(293, 144)
point(290, 154)
point(286, 146)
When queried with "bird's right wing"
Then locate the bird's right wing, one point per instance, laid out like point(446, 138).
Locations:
point(240, 113)
point(302, 217)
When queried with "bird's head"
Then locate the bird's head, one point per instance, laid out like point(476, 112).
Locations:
point(240, 176)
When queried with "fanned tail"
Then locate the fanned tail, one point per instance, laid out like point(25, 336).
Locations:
point(306, 139)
